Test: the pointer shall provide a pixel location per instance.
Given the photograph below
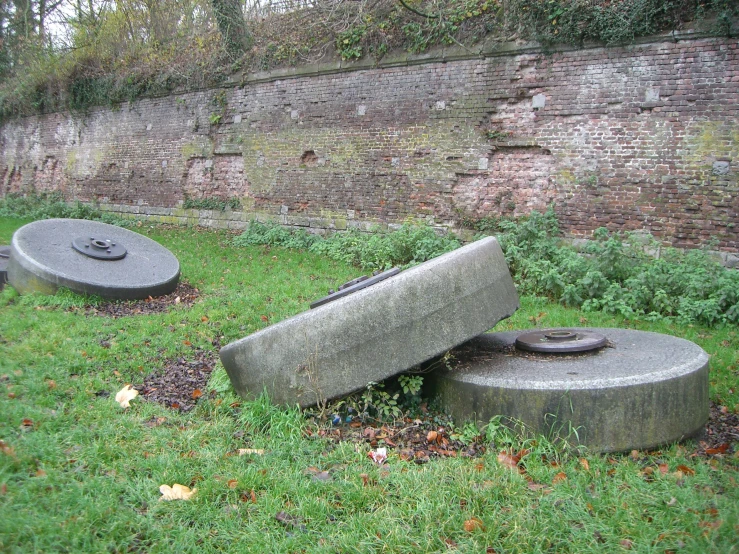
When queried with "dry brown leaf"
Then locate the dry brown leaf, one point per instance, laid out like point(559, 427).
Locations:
point(245, 451)
point(686, 470)
point(176, 492)
point(628, 544)
point(432, 436)
point(508, 459)
point(40, 473)
point(197, 393)
point(7, 450)
point(233, 483)
point(561, 476)
point(474, 524)
point(125, 395)
point(584, 464)
point(664, 469)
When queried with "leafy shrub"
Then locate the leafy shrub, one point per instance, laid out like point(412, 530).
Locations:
point(410, 245)
point(50, 205)
point(616, 273)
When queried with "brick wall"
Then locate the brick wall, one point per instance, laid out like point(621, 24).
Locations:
point(644, 137)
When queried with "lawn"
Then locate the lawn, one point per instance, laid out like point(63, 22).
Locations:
point(79, 473)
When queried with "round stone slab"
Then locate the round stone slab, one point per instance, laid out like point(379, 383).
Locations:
point(4, 258)
point(42, 259)
point(642, 390)
point(377, 332)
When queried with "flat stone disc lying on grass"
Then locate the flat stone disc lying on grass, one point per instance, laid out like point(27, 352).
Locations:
point(4, 258)
point(642, 390)
point(377, 332)
point(90, 257)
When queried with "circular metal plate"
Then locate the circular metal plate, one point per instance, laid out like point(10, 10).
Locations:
point(560, 341)
point(42, 259)
point(99, 248)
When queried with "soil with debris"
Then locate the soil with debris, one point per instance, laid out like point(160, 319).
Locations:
point(184, 294)
point(180, 383)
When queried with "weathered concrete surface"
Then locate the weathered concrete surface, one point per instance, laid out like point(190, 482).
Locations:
point(377, 332)
point(42, 259)
point(4, 253)
point(646, 390)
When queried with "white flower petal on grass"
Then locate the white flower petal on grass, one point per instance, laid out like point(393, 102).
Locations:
point(378, 456)
point(176, 492)
point(245, 451)
point(125, 395)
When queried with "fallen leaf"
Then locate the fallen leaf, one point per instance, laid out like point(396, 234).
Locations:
point(584, 464)
point(11, 395)
point(672, 501)
point(561, 476)
point(664, 469)
point(245, 451)
point(508, 459)
point(197, 393)
point(125, 395)
point(322, 476)
point(4, 489)
point(718, 450)
point(365, 479)
point(288, 520)
point(186, 343)
point(51, 384)
point(176, 492)
point(686, 470)
point(432, 436)
point(233, 483)
point(378, 456)
point(626, 543)
point(177, 300)
point(264, 318)
point(7, 450)
point(40, 473)
point(474, 524)
point(204, 319)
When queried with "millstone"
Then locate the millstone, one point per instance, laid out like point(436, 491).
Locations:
point(90, 257)
point(640, 391)
point(4, 258)
point(376, 332)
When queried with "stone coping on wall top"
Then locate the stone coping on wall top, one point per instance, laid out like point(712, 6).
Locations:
point(400, 58)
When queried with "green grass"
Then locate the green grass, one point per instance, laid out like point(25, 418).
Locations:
point(83, 475)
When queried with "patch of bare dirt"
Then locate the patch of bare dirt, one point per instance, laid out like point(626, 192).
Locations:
point(181, 382)
point(185, 294)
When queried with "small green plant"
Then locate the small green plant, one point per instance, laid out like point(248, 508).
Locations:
point(211, 203)
point(380, 403)
point(349, 43)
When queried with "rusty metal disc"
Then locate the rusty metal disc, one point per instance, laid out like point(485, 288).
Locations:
point(560, 341)
point(99, 248)
point(354, 285)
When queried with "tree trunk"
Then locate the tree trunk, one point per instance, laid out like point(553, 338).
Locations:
point(231, 24)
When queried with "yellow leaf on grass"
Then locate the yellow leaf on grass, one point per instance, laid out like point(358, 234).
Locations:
point(176, 492)
point(125, 395)
point(245, 451)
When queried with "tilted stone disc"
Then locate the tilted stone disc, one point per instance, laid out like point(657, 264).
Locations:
point(642, 390)
point(43, 259)
point(376, 332)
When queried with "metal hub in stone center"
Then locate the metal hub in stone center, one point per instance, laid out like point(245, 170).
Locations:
point(555, 341)
point(101, 249)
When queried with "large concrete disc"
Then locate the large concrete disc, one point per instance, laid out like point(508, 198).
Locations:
point(43, 258)
point(642, 390)
point(4, 258)
point(376, 332)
